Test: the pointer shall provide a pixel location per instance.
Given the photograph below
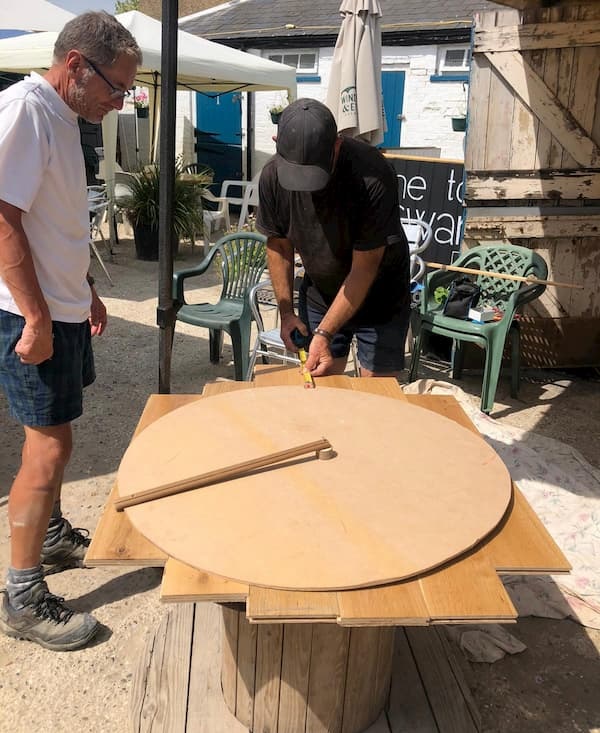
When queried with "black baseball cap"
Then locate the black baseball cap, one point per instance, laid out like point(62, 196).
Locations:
point(305, 143)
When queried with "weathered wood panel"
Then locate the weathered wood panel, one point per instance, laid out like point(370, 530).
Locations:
point(549, 60)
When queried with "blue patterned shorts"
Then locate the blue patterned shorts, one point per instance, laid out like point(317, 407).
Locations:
point(380, 346)
point(50, 393)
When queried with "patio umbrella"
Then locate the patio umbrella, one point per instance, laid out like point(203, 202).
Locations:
point(354, 94)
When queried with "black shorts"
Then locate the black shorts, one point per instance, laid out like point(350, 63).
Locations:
point(50, 393)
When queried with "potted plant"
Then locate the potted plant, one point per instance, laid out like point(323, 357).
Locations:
point(459, 117)
point(275, 112)
point(140, 102)
point(142, 209)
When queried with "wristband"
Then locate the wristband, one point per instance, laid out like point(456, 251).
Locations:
point(324, 333)
point(90, 280)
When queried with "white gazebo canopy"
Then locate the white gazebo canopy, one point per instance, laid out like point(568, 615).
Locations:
point(202, 66)
point(32, 15)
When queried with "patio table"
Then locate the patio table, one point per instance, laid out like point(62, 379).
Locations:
point(298, 660)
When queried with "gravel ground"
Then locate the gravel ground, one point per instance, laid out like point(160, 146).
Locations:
point(550, 687)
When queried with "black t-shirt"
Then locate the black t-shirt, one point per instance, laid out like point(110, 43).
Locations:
point(358, 209)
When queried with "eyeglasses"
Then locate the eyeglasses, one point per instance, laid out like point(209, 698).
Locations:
point(115, 92)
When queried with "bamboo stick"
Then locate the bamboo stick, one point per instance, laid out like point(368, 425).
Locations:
point(220, 474)
point(504, 276)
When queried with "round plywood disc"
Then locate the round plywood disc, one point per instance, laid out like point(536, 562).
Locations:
point(407, 489)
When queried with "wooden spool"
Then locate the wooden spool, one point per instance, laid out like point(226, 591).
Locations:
point(304, 678)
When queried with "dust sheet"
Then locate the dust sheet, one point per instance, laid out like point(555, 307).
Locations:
point(564, 490)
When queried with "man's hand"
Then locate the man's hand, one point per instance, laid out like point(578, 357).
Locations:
point(98, 315)
point(288, 323)
point(35, 344)
point(320, 361)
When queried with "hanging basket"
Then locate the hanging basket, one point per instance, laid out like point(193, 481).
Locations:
point(142, 112)
point(275, 117)
point(459, 124)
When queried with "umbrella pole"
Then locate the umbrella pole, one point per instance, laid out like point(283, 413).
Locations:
point(165, 315)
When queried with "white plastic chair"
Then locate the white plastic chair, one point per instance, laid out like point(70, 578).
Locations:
point(98, 208)
point(220, 218)
point(268, 343)
point(250, 200)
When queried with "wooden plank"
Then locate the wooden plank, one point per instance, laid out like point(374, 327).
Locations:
point(360, 680)
point(537, 36)
point(479, 89)
point(380, 725)
point(399, 604)
point(325, 691)
point(160, 686)
point(383, 675)
point(214, 388)
point(271, 375)
point(538, 227)
point(206, 709)
point(115, 540)
point(268, 677)
point(532, 4)
point(458, 664)
point(246, 672)
point(229, 655)
point(500, 133)
point(450, 710)
point(543, 103)
point(181, 582)
point(408, 709)
point(295, 668)
point(509, 554)
point(467, 589)
point(533, 184)
point(384, 386)
point(269, 604)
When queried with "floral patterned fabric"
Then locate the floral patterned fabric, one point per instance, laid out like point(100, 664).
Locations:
point(564, 490)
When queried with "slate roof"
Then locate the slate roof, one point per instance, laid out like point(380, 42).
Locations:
point(267, 22)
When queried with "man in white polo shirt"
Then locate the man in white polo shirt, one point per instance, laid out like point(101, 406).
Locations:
point(49, 308)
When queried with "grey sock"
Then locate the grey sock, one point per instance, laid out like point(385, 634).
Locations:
point(55, 525)
point(19, 584)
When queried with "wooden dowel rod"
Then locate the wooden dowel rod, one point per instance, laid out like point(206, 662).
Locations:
point(220, 474)
point(503, 276)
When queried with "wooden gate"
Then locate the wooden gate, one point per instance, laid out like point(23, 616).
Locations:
point(533, 164)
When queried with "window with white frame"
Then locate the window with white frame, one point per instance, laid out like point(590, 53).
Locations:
point(453, 60)
point(305, 61)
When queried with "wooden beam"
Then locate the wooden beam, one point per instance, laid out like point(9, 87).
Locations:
point(568, 184)
point(533, 4)
point(545, 227)
point(537, 96)
point(538, 36)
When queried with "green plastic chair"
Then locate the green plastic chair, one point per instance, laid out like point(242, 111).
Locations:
point(242, 257)
point(506, 295)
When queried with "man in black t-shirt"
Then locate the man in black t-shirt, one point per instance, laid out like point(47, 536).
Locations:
point(334, 201)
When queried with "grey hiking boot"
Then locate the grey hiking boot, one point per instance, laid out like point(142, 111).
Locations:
point(47, 621)
point(68, 549)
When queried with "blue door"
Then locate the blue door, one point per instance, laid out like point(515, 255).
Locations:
point(219, 134)
point(392, 84)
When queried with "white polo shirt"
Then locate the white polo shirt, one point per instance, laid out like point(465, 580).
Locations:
point(42, 173)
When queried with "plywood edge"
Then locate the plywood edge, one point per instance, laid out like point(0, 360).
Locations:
point(182, 583)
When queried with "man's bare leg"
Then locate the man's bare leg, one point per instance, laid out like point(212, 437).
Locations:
point(45, 454)
point(29, 610)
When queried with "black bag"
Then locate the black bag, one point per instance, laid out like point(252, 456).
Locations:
point(462, 295)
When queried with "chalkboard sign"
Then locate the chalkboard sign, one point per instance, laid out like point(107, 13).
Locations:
point(432, 190)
